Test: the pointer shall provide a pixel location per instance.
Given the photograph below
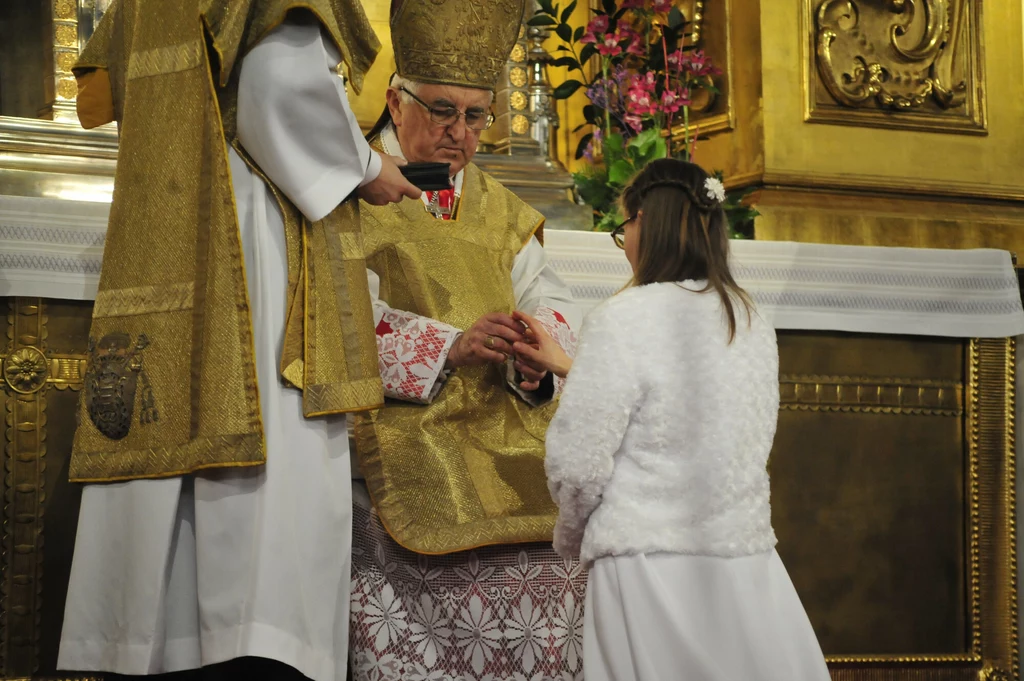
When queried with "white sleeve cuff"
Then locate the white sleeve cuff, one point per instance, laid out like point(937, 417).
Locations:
point(373, 168)
point(326, 194)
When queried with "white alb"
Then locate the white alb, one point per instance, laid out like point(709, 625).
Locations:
point(663, 433)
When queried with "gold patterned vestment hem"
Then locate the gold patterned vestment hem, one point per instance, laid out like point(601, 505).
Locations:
point(172, 387)
point(228, 451)
point(470, 536)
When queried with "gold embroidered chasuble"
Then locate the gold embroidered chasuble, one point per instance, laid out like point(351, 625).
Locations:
point(466, 470)
point(171, 387)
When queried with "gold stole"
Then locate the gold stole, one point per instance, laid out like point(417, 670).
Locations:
point(466, 470)
point(171, 387)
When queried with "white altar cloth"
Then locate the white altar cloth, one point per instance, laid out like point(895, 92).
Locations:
point(53, 248)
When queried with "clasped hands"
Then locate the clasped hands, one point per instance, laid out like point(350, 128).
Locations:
point(491, 340)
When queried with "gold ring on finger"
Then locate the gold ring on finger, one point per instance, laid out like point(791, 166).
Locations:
point(489, 342)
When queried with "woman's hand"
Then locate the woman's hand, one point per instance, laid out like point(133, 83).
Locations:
point(539, 348)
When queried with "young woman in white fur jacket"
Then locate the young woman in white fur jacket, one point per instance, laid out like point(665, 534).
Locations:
point(657, 457)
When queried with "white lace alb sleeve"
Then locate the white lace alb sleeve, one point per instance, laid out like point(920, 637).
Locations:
point(540, 292)
point(590, 423)
point(411, 350)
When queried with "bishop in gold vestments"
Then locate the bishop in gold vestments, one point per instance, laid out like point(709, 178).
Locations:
point(455, 458)
point(233, 305)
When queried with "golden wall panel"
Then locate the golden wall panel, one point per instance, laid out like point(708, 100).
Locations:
point(916, 219)
point(913, 64)
point(798, 153)
point(893, 498)
point(368, 104)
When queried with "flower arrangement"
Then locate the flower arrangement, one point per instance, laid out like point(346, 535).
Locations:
point(646, 84)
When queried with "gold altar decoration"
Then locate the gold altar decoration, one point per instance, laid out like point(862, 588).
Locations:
point(914, 64)
point(65, 52)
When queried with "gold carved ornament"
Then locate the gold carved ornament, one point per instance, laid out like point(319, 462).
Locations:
point(897, 52)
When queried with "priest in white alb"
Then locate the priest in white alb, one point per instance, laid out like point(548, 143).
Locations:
point(233, 331)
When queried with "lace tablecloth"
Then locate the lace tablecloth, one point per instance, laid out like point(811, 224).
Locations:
point(53, 249)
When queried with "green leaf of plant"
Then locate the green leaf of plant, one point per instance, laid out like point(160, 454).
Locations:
point(580, 30)
point(541, 20)
point(608, 221)
point(566, 89)
point(614, 148)
point(569, 62)
point(567, 12)
point(564, 32)
point(592, 186)
point(588, 51)
point(659, 150)
point(620, 172)
point(675, 18)
point(584, 141)
point(645, 140)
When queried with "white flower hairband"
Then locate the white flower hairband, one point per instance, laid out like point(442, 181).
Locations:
point(714, 189)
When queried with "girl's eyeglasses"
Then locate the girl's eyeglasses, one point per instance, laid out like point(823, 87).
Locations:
point(619, 233)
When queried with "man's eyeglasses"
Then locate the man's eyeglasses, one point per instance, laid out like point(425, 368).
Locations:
point(449, 115)
point(619, 233)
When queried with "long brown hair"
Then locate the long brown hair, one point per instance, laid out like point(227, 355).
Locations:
point(684, 233)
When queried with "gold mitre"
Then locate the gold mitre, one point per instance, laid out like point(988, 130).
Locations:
point(454, 42)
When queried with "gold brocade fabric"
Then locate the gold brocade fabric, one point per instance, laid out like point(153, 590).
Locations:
point(464, 43)
point(466, 470)
point(171, 386)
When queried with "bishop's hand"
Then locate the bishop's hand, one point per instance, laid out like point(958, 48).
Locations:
point(488, 341)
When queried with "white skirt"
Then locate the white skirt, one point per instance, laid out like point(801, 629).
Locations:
point(700, 618)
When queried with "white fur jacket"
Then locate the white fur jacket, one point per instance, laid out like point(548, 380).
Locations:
point(661, 439)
